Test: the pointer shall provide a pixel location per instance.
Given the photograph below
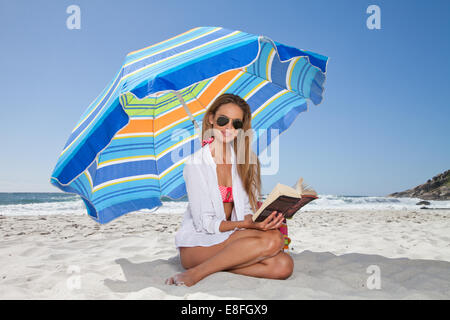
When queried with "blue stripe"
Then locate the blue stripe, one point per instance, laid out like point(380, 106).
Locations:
point(192, 44)
point(249, 79)
point(123, 191)
point(81, 187)
point(203, 69)
point(114, 211)
point(260, 61)
point(287, 52)
point(279, 71)
point(197, 55)
point(92, 169)
point(78, 131)
point(99, 97)
point(273, 111)
point(162, 142)
point(300, 89)
point(133, 146)
point(87, 150)
point(177, 176)
point(262, 95)
point(169, 43)
point(300, 74)
point(173, 98)
point(178, 192)
point(110, 213)
point(92, 212)
point(126, 169)
point(140, 167)
point(317, 88)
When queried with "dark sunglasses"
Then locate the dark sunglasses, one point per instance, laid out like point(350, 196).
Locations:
point(223, 120)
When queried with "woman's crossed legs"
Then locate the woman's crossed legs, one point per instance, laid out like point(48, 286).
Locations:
point(248, 252)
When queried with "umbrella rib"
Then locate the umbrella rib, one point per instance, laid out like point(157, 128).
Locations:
point(183, 103)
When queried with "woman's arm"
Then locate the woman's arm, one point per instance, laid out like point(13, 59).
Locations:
point(226, 225)
point(273, 221)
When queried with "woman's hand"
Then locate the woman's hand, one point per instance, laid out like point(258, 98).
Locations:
point(273, 221)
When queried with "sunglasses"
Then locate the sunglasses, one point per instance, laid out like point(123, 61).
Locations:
point(223, 120)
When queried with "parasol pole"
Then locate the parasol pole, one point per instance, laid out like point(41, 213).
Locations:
point(194, 122)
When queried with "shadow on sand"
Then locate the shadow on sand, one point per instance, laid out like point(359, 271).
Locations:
point(316, 275)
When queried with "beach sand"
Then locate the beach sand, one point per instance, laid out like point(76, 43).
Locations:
point(353, 254)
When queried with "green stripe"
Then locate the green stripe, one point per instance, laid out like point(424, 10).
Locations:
point(149, 106)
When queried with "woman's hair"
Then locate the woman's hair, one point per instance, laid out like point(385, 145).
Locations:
point(248, 166)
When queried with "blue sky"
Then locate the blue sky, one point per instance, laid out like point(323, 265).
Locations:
point(383, 125)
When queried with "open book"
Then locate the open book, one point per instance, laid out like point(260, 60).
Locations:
point(286, 200)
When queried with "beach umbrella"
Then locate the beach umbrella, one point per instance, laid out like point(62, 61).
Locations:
point(122, 156)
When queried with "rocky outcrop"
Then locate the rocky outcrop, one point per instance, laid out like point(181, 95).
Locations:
point(437, 188)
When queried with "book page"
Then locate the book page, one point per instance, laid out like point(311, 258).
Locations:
point(283, 190)
point(303, 189)
point(279, 190)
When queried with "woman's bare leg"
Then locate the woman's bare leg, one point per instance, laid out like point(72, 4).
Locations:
point(279, 266)
point(244, 247)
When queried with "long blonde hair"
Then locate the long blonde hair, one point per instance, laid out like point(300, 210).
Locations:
point(250, 170)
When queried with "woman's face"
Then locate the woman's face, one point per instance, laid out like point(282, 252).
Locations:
point(228, 132)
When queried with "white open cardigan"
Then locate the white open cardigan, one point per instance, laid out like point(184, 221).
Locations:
point(205, 211)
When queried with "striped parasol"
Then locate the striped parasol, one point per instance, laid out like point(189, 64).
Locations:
point(122, 156)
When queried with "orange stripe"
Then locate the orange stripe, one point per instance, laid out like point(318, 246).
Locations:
point(147, 125)
point(216, 86)
point(177, 114)
point(137, 125)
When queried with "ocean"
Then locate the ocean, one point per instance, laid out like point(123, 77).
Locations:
point(23, 204)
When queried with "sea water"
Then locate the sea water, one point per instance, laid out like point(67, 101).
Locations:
point(13, 204)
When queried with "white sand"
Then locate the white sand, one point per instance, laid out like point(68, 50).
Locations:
point(72, 257)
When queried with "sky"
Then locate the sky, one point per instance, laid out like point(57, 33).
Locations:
point(382, 127)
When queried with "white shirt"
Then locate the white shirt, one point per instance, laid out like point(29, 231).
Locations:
point(205, 211)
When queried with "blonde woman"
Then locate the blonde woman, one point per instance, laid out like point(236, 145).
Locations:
point(223, 183)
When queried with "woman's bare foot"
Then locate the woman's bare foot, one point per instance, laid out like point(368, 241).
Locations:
point(182, 279)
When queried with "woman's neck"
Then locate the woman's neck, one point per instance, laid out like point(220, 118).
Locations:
point(220, 152)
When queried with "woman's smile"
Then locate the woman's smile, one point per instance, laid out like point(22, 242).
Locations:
point(226, 133)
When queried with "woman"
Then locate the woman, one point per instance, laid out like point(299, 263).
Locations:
point(223, 183)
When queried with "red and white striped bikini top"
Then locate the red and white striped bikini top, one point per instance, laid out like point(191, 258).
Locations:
point(227, 193)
